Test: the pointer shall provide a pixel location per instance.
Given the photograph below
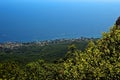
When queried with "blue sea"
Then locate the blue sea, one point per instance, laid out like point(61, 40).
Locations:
point(32, 20)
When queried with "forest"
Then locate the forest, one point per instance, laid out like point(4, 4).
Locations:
point(97, 59)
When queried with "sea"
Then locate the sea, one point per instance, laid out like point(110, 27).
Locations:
point(34, 20)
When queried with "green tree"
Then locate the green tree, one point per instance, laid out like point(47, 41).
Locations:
point(11, 71)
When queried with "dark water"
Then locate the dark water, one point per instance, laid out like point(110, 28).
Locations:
point(34, 20)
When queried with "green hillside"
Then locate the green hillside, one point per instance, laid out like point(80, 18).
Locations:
point(99, 60)
point(30, 52)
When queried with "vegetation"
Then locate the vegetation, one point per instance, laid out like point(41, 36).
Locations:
point(100, 60)
point(33, 52)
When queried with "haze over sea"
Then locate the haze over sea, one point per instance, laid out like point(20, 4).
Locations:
point(31, 20)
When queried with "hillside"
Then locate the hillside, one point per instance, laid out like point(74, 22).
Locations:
point(47, 50)
point(100, 60)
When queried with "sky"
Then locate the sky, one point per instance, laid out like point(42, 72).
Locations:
point(28, 20)
point(84, 0)
point(102, 1)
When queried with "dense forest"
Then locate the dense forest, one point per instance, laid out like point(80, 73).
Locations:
point(46, 50)
point(97, 59)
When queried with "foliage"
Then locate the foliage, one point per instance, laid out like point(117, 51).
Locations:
point(11, 71)
point(50, 53)
point(99, 61)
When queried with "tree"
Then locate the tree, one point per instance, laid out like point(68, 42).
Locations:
point(11, 71)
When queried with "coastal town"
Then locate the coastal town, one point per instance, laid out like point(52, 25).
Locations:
point(15, 45)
